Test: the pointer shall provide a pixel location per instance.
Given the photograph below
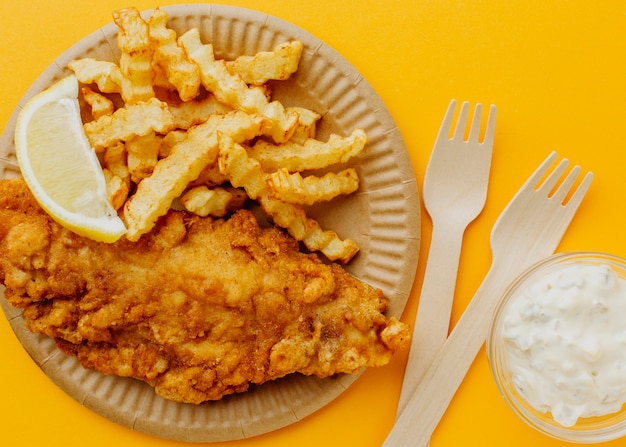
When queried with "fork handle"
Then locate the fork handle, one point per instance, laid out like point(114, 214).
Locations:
point(432, 322)
point(436, 390)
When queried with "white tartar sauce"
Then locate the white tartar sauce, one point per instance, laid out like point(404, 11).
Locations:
point(565, 343)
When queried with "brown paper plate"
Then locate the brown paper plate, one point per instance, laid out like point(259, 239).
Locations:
point(382, 217)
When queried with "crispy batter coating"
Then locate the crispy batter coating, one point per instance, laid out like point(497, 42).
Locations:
point(199, 308)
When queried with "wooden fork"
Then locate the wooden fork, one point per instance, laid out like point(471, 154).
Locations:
point(528, 230)
point(454, 193)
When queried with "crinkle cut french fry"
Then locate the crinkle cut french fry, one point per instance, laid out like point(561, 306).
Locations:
point(185, 162)
point(106, 75)
point(182, 73)
point(210, 176)
point(303, 228)
point(246, 172)
point(190, 113)
point(130, 121)
point(278, 64)
point(115, 160)
point(307, 124)
point(233, 91)
point(313, 154)
point(136, 55)
point(170, 140)
point(217, 202)
point(293, 188)
point(143, 155)
point(100, 104)
point(241, 170)
point(117, 189)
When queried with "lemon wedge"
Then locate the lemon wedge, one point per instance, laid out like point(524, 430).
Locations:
point(59, 165)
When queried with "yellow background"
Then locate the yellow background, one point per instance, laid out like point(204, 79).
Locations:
point(556, 71)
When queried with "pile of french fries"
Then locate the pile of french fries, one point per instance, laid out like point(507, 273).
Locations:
point(205, 133)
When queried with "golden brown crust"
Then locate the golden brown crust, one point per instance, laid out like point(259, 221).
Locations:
point(199, 308)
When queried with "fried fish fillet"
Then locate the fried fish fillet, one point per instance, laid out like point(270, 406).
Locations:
point(199, 308)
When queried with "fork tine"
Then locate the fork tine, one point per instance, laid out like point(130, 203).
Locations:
point(548, 183)
point(568, 209)
point(446, 123)
point(475, 129)
point(533, 180)
point(491, 126)
point(580, 192)
point(566, 185)
point(459, 131)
